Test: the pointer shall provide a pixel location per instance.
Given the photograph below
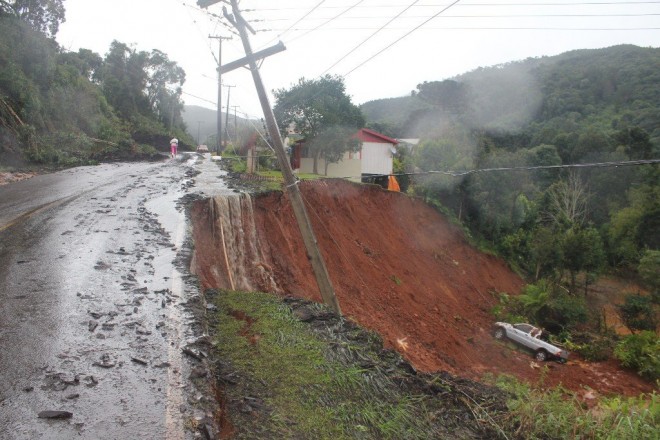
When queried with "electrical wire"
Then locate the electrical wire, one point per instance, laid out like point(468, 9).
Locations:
point(528, 168)
point(328, 21)
point(596, 3)
point(480, 28)
point(369, 37)
point(411, 17)
point(399, 39)
point(301, 19)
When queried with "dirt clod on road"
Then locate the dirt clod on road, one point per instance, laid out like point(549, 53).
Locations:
point(398, 267)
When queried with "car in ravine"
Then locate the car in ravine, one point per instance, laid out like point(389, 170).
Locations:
point(532, 338)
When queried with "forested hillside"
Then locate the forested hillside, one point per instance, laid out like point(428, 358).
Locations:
point(66, 108)
point(202, 124)
point(602, 89)
point(548, 162)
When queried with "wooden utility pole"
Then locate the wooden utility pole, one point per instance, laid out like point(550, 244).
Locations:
point(218, 143)
point(227, 115)
point(235, 123)
point(199, 125)
point(291, 183)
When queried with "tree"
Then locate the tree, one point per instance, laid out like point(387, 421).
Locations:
point(311, 107)
point(567, 203)
point(43, 15)
point(448, 95)
point(636, 142)
point(649, 269)
point(636, 226)
point(164, 81)
point(331, 144)
point(637, 313)
point(583, 252)
point(546, 252)
point(143, 84)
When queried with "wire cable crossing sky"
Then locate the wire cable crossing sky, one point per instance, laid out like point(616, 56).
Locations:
point(384, 48)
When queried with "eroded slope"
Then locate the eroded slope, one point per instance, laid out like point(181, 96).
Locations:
point(398, 267)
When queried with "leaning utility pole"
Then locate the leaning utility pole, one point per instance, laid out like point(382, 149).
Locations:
point(291, 183)
point(218, 144)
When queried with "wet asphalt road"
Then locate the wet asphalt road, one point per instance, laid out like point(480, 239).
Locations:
point(92, 316)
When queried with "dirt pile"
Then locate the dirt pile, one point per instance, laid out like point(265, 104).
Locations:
point(398, 267)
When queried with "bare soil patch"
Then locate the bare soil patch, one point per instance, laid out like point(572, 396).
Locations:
point(6, 178)
point(403, 270)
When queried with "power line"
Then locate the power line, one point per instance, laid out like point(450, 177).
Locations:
point(303, 17)
point(399, 39)
point(527, 168)
point(329, 20)
point(597, 3)
point(410, 17)
point(369, 37)
point(477, 28)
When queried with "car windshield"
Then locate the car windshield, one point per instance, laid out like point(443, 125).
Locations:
point(524, 327)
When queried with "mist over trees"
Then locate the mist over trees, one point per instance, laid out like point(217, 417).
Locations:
point(43, 16)
point(67, 108)
point(484, 140)
point(585, 106)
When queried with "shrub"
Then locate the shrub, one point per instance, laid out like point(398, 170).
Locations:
point(563, 311)
point(642, 353)
point(595, 348)
point(649, 269)
point(637, 313)
point(558, 414)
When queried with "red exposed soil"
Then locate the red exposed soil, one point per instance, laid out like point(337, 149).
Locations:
point(401, 269)
point(6, 178)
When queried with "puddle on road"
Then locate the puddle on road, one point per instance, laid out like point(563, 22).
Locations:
point(167, 276)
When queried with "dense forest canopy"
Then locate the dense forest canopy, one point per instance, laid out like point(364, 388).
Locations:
point(60, 107)
point(581, 107)
point(540, 126)
point(43, 16)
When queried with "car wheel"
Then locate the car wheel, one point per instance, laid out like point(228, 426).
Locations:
point(541, 356)
point(499, 333)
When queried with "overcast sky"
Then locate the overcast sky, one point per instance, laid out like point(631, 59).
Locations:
point(428, 40)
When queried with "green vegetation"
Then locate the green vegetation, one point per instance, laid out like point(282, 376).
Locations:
point(289, 369)
point(638, 313)
point(577, 107)
point(63, 108)
point(327, 378)
point(559, 414)
point(642, 353)
point(323, 114)
point(560, 228)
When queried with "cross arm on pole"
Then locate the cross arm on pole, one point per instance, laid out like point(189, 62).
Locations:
point(207, 3)
point(279, 47)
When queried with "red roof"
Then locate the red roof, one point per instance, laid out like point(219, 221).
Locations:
point(366, 135)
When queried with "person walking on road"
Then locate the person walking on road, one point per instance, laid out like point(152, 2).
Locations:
point(174, 144)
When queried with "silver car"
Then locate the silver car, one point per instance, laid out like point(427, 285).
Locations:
point(530, 337)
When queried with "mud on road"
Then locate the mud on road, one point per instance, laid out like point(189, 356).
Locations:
point(96, 332)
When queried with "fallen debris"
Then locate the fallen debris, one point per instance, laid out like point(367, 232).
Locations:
point(50, 414)
point(139, 361)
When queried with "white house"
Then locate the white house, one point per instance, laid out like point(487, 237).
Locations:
point(373, 159)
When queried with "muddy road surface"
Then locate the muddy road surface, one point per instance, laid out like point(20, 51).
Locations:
point(93, 318)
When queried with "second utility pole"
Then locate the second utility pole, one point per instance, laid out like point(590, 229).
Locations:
point(227, 116)
point(218, 144)
point(311, 245)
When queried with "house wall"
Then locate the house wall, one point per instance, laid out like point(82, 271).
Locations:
point(376, 158)
point(345, 168)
